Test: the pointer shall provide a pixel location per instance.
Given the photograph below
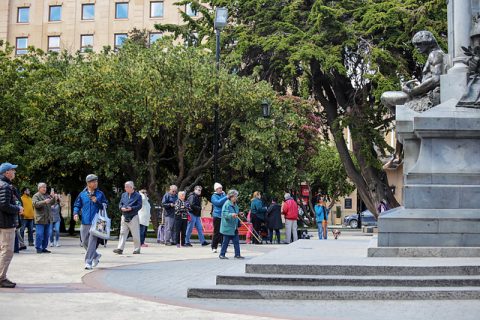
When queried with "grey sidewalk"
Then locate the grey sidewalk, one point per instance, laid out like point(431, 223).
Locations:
point(153, 286)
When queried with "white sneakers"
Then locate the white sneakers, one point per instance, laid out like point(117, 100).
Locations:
point(88, 267)
point(214, 250)
point(96, 261)
point(57, 244)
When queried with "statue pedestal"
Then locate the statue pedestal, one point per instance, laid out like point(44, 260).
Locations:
point(441, 180)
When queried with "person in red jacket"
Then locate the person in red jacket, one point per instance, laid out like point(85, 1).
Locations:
point(290, 210)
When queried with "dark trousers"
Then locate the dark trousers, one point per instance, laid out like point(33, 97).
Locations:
point(257, 224)
point(143, 233)
point(180, 230)
point(277, 235)
point(217, 236)
point(27, 224)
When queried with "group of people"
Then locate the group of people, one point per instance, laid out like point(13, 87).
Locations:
point(181, 215)
point(18, 213)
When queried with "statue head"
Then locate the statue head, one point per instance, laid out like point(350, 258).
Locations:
point(424, 41)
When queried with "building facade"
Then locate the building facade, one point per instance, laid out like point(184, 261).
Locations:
point(76, 25)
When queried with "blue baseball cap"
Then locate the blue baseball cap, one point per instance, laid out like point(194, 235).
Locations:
point(4, 167)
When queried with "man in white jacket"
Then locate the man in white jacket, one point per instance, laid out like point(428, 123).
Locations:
point(144, 217)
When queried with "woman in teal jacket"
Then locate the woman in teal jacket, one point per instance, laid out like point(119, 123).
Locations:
point(321, 214)
point(229, 225)
point(258, 211)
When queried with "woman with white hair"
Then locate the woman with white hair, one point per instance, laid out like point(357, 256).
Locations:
point(182, 208)
point(229, 225)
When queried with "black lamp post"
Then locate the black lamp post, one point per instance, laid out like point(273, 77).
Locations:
point(266, 108)
point(221, 16)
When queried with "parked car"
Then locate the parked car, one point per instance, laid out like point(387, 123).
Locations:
point(368, 219)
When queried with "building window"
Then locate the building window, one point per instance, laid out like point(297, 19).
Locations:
point(121, 10)
point(120, 39)
point(54, 43)
point(88, 11)
point(23, 15)
point(154, 36)
point(156, 9)
point(55, 13)
point(86, 42)
point(189, 11)
point(21, 45)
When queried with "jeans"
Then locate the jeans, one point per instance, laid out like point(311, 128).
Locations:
point(143, 233)
point(55, 226)
point(42, 235)
point(236, 244)
point(217, 236)
point(270, 235)
point(322, 230)
point(27, 224)
point(197, 223)
point(180, 230)
point(291, 228)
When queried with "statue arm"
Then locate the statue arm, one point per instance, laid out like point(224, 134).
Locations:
point(429, 83)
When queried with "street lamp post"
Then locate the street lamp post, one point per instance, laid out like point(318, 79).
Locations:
point(221, 16)
point(266, 108)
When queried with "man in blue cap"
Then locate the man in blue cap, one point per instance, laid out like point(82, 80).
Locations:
point(10, 208)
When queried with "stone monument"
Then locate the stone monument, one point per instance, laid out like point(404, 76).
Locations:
point(441, 211)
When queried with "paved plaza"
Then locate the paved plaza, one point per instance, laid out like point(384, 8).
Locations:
point(153, 285)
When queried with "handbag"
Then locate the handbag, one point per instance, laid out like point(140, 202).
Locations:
point(101, 224)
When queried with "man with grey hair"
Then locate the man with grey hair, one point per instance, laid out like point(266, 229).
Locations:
point(130, 204)
point(42, 203)
point(290, 210)
point(89, 201)
point(168, 203)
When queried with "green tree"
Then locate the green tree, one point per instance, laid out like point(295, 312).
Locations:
point(343, 54)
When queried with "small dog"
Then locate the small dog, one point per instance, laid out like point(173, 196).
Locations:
point(336, 233)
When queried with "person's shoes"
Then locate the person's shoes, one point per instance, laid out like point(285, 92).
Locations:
point(178, 246)
point(39, 251)
point(5, 283)
point(239, 257)
point(136, 252)
point(30, 244)
point(16, 251)
point(168, 243)
point(144, 245)
point(118, 251)
point(46, 251)
point(206, 243)
point(188, 245)
point(214, 250)
point(222, 257)
point(88, 267)
point(51, 244)
point(96, 261)
point(57, 244)
point(22, 248)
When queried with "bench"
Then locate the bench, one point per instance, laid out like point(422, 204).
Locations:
point(207, 227)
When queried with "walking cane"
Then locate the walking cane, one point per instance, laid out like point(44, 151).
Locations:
point(254, 232)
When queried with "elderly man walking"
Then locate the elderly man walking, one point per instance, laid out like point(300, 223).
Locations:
point(168, 203)
point(130, 204)
point(89, 201)
point(43, 217)
point(9, 210)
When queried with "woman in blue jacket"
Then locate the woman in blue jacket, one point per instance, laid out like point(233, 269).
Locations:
point(229, 225)
point(321, 214)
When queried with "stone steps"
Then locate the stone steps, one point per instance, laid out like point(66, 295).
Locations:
point(333, 293)
point(352, 281)
point(364, 270)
